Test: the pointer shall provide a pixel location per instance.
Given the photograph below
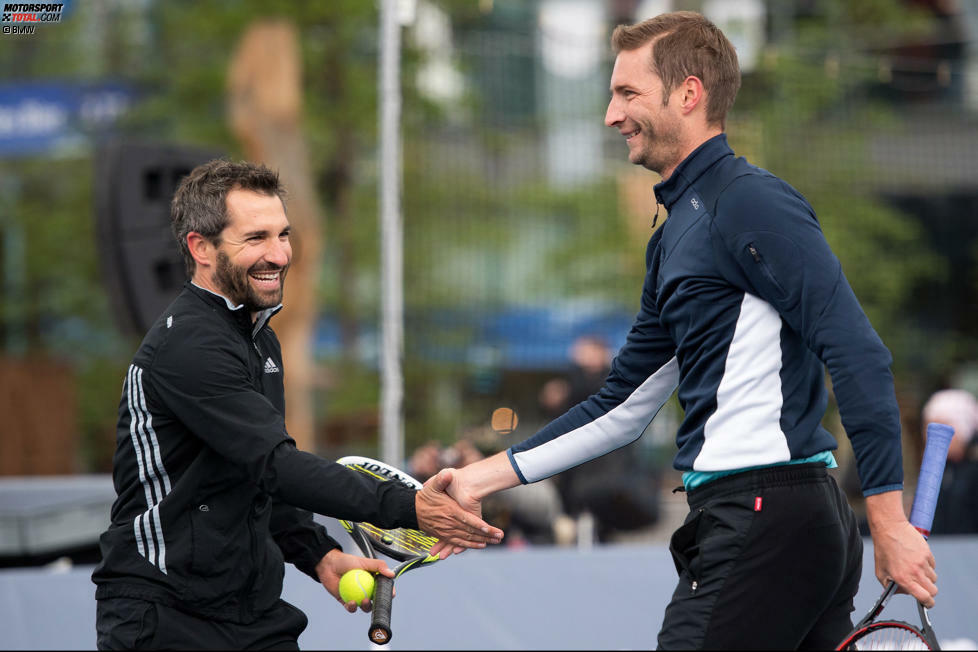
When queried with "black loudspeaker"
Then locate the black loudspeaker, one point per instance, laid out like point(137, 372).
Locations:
point(141, 264)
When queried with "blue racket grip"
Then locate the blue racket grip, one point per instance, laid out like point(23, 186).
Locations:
point(931, 472)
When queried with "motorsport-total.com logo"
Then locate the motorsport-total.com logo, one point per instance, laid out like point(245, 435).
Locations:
point(23, 18)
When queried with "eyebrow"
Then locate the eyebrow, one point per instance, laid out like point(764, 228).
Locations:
point(263, 232)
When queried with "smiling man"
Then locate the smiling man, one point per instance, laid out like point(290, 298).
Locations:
point(743, 307)
point(213, 495)
point(254, 259)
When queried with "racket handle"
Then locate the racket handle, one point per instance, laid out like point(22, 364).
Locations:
point(380, 621)
point(929, 481)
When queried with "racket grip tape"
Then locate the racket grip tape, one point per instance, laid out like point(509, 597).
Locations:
point(380, 621)
point(929, 482)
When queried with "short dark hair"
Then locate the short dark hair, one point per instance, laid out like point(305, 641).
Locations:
point(687, 43)
point(200, 202)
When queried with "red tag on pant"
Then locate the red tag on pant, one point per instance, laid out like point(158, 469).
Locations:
point(757, 503)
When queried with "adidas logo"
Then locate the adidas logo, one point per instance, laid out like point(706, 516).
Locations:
point(271, 367)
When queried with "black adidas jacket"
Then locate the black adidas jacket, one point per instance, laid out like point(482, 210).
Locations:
point(212, 492)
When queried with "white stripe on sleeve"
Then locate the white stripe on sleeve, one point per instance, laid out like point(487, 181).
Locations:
point(614, 429)
point(156, 483)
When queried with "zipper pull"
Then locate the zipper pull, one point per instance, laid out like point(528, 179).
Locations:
point(753, 252)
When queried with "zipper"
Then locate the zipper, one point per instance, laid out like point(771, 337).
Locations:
point(764, 268)
point(259, 367)
point(695, 583)
point(247, 589)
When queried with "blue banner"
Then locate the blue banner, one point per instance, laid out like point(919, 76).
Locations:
point(45, 117)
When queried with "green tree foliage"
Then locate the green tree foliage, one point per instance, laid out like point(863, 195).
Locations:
point(484, 226)
point(176, 54)
point(53, 304)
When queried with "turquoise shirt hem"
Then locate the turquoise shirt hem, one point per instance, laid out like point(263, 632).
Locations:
point(694, 479)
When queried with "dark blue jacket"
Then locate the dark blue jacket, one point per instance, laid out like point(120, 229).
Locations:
point(742, 304)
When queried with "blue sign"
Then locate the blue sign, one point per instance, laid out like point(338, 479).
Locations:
point(39, 117)
point(517, 337)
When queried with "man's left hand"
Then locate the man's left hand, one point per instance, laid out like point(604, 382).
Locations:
point(336, 562)
point(901, 553)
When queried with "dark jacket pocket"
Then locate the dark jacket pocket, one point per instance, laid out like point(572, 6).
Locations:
point(126, 624)
point(684, 546)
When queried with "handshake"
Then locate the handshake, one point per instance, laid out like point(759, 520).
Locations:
point(449, 505)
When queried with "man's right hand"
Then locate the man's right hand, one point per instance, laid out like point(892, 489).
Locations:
point(456, 528)
point(470, 484)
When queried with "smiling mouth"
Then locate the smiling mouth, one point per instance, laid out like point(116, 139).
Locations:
point(630, 134)
point(267, 279)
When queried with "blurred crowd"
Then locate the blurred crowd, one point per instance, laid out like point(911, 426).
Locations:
point(591, 503)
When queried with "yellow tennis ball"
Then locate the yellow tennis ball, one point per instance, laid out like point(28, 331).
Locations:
point(356, 586)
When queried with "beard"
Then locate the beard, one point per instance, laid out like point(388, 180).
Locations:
point(661, 146)
point(233, 282)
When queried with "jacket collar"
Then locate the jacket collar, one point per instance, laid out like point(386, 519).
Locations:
point(237, 313)
point(693, 166)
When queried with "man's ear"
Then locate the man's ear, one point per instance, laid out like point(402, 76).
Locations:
point(201, 249)
point(693, 93)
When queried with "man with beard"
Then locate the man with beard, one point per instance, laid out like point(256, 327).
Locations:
point(742, 305)
point(213, 495)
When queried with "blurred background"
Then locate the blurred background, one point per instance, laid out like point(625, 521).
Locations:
point(523, 231)
point(524, 226)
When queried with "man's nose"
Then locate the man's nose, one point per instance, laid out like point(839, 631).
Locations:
point(279, 253)
point(614, 115)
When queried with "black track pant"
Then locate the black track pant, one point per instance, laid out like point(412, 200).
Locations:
point(126, 624)
point(767, 559)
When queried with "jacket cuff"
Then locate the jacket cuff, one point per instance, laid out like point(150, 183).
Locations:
point(314, 553)
point(406, 503)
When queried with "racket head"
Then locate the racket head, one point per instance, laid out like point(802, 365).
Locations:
point(870, 634)
point(401, 544)
point(887, 635)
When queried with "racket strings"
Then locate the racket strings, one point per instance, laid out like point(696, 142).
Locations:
point(405, 541)
point(408, 541)
point(889, 636)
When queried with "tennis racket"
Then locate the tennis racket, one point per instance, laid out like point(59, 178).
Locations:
point(410, 547)
point(871, 634)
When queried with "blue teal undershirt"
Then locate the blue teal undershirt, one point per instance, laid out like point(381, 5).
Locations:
point(693, 479)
